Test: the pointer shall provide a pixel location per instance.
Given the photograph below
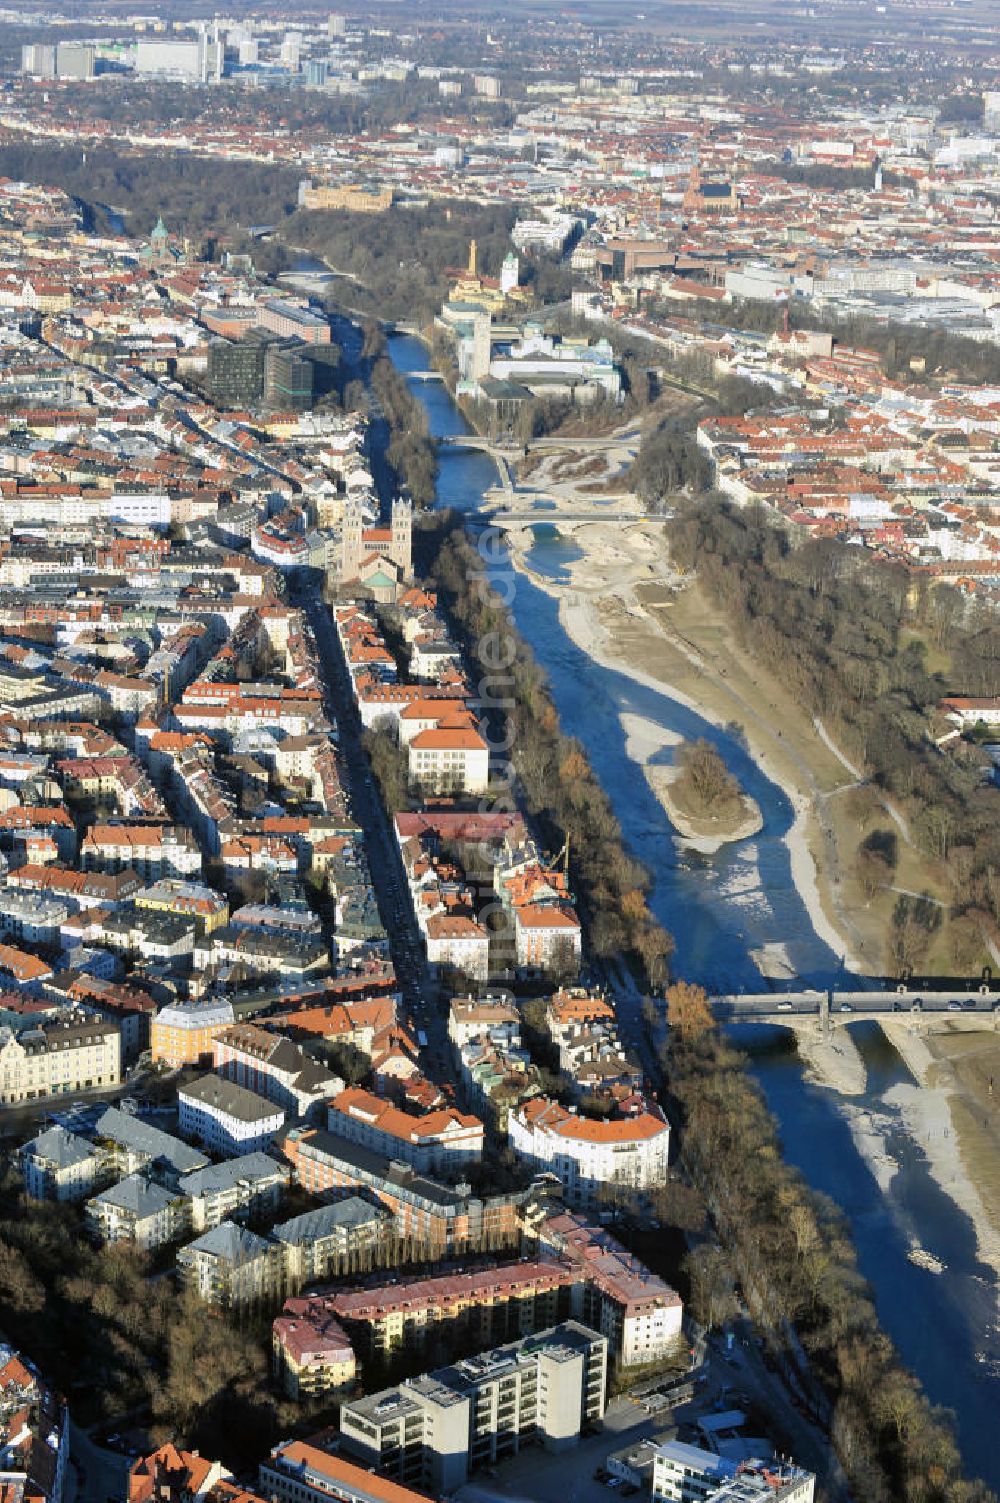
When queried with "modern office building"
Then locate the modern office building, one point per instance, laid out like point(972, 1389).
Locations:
point(434, 1430)
point(687, 1474)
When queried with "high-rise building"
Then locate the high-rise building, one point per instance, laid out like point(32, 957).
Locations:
point(288, 378)
point(75, 60)
point(316, 73)
point(336, 26)
point(236, 372)
point(38, 60)
point(291, 50)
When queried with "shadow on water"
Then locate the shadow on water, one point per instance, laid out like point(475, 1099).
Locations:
point(721, 909)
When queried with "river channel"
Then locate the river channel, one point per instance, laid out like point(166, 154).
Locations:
point(719, 911)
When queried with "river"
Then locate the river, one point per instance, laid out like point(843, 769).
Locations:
point(721, 909)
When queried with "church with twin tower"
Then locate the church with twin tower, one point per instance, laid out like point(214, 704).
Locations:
point(377, 561)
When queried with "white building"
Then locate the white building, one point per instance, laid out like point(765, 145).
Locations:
point(587, 1155)
point(137, 1210)
point(457, 943)
point(226, 1117)
point(449, 759)
point(57, 1058)
point(57, 1165)
point(687, 1474)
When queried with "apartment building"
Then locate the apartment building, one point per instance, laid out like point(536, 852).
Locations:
point(182, 1033)
point(134, 1145)
point(448, 1219)
point(434, 1430)
point(449, 758)
point(298, 1472)
point(249, 1186)
point(444, 1141)
point(152, 851)
point(57, 1165)
point(34, 1434)
point(332, 1240)
point(75, 1054)
point(231, 1268)
point(274, 1067)
point(639, 1313)
point(226, 1117)
point(548, 937)
point(312, 1353)
point(208, 908)
point(590, 1155)
point(456, 942)
point(140, 1211)
point(172, 1475)
point(30, 917)
point(481, 1308)
point(494, 1018)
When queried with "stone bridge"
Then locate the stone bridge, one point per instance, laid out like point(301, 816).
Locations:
point(978, 1006)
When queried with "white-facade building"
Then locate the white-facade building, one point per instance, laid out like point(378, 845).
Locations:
point(226, 1117)
point(587, 1155)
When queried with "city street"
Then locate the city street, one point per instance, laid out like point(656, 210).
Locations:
point(388, 877)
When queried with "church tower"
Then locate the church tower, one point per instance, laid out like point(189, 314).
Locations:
point(402, 536)
point(351, 541)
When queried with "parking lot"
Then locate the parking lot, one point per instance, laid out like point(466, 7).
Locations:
point(567, 1477)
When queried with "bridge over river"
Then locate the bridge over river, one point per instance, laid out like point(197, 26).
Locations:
point(977, 1006)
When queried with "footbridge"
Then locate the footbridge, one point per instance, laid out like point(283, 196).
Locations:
point(978, 1006)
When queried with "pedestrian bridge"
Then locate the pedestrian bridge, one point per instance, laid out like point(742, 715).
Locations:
point(979, 1007)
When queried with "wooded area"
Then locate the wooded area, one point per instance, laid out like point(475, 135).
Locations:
point(788, 1250)
point(554, 778)
point(849, 635)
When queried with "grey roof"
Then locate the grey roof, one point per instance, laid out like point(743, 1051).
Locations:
point(226, 1096)
point(218, 1177)
point(133, 1133)
point(228, 1241)
point(136, 1194)
point(60, 1148)
point(327, 1220)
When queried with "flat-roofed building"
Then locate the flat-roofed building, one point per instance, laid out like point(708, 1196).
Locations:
point(687, 1474)
point(432, 1431)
